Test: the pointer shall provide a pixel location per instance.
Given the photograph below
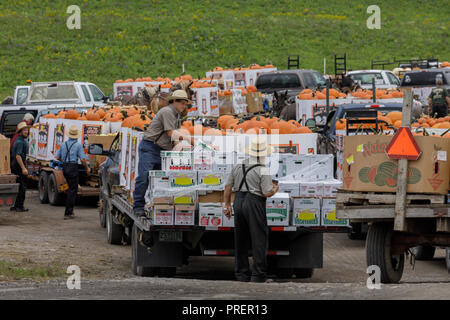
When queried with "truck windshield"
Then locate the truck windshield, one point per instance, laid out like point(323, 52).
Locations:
point(423, 78)
point(53, 91)
point(366, 78)
point(278, 81)
point(96, 93)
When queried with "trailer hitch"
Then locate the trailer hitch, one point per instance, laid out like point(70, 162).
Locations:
point(146, 240)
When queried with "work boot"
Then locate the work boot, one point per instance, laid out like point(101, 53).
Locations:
point(12, 209)
point(68, 217)
point(22, 209)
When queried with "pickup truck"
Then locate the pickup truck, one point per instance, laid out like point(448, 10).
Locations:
point(47, 96)
point(384, 79)
point(293, 81)
point(423, 81)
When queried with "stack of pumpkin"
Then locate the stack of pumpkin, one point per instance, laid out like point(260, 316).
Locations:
point(251, 67)
point(445, 64)
point(308, 94)
point(387, 122)
point(130, 116)
point(379, 94)
point(426, 121)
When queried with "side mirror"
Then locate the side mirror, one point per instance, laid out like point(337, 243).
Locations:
point(97, 149)
point(311, 123)
point(105, 99)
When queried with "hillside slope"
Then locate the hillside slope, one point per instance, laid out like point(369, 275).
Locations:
point(128, 39)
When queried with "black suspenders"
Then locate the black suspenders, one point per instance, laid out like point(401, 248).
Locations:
point(244, 178)
point(68, 150)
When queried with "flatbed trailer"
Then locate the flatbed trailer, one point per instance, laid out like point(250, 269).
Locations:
point(8, 190)
point(427, 221)
point(159, 250)
point(52, 185)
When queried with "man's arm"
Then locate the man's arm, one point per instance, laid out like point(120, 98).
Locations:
point(22, 166)
point(82, 157)
point(227, 199)
point(274, 190)
point(176, 135)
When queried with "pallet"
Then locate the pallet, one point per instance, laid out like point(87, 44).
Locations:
point(7, 178)
point(359, 198)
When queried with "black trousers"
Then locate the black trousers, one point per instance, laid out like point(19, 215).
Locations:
point(70, 171)
point(440, 109)
point(250, 230)
point(22, 180)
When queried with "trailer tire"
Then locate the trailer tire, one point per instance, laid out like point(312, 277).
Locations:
point(447, 258)
point(54, 197)
point(106, 207)
point(43, 187)
point(135, 268)
point(114, 231)
point(378, 252)
point(424, 252)
point(167, 272)
point(303, 273)
point(284, 273)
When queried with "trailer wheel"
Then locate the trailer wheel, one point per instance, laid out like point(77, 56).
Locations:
point(303, 273)
point(167, 272)
point(105, 207)
point(378, 252)
point(43, 187)
point(114, 231)
point(54, 197)
point(425, 252)
point(447, 258)
point(284, 273)
point(135, 268)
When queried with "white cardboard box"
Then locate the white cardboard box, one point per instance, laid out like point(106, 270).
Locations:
point(306, 212)
point(277, 209)
point(203, 160)
point(223, 161)
point(163, 214)
point(184, 215)
point(210, 214)
point(290, 187)
point(176, 160)
point(212, 179)
point(330, 188)
point(311, 189)
point(328, 215)
point(182, 178)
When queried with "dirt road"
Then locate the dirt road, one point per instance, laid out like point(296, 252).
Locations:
point(36, 248)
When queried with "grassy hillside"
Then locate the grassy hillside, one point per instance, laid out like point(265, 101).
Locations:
point(128, 39)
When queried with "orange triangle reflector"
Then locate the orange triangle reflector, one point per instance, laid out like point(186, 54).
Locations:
point(403, 146)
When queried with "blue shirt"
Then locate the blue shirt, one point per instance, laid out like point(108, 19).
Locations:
point(76, 151)
point(20, 147)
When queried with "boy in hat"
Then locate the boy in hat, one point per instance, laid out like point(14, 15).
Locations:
point(253, 184)
point(18, 159)
point(69, 153)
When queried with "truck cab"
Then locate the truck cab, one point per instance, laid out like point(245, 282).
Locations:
point(384, 79)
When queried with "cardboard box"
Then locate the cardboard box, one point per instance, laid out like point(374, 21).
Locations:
point(328, 214)
point(185, 198)
point(176, 160)
point(203, 160)
point(306, 212)
point(367, 167)
point(213, 197)
point(104, 139)
point(5, 165)
point(184, 215)
point(277, 209)
point(163, 214)
point(210, 214)
point(223, 161)
point(225, 105)
point(212, 179)
point(330, 188)
point(321, 166)
point(311, 189)
point(290, 187)
point(181, 178)
point(254, 102)
point(162, 200)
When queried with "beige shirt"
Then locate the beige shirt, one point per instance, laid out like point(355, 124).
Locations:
point(165, 120)
point(259, 179)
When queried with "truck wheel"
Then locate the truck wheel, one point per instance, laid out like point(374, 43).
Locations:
point(54, 197)
point(114, 231)
point(425, 252)
point(135, 268)
point(106, 207)
point(284, 273)
point(378, 252)
point(447, 258)
point(356, 232)
point(167, 272)
point(43, 187)
point(303, 273)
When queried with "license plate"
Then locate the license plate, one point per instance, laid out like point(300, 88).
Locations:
point(171, 236)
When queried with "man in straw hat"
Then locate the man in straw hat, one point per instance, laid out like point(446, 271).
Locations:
point(69, 153)
point(18, 159)
point(252, 183)
point(160, 135)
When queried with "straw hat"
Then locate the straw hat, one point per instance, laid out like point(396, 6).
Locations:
point(74, 133)
point(179, 95)
point(258, 148)
point(22, 125)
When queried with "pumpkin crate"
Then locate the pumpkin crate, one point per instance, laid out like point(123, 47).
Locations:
point(7, 178)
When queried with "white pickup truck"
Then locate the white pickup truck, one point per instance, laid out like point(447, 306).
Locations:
point(384, 79)
point(48, 95)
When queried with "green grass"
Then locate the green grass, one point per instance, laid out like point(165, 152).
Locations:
point(129, 39)
point(29, 270)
